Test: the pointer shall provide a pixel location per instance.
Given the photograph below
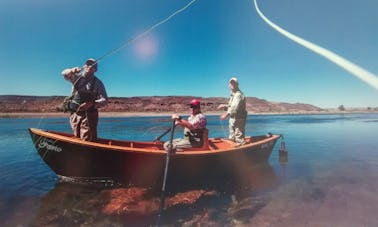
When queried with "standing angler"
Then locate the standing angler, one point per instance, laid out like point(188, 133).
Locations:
point(236, 110)
point(88, 94)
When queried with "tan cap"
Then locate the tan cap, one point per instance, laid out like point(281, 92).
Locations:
point(91, 62)
point(233, 79)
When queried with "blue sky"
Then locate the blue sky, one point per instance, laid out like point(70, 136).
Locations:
point(195, 52)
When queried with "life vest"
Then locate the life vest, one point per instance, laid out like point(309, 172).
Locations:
point(195, 136)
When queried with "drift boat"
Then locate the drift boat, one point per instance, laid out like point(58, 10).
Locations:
point(142, 163)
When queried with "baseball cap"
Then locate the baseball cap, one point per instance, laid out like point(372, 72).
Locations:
point(195, 103)
point(233, 79)
point(91, 62)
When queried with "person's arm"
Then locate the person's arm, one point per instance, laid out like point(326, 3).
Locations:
point(102, 99)
point(234, 105)
point(186, 124)
point(224, 116)
point(225, 108)
point(70, 74)
point(196, 122)
point(222, 106)
point(181, 122)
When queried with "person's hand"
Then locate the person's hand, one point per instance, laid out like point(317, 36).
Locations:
point(222, 106)
point(176, 117)
point(223, 116)
point(85, 106)
point(75, 70)
point(69, 72)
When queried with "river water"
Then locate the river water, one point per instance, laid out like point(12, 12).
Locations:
point(328, 178)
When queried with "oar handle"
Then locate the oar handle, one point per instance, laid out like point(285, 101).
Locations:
point(169, 152)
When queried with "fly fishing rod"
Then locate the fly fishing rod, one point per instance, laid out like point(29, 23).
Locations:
point(132, 40)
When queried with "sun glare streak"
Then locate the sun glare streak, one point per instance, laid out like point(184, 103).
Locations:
point(349, 66)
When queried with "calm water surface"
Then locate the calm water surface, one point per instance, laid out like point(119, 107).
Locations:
point(329, 178)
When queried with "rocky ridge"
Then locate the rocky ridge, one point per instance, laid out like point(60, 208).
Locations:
point(147, 104)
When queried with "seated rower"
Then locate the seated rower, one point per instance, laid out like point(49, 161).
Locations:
point(193, 129)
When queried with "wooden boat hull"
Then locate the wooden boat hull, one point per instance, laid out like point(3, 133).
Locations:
point(143, 163)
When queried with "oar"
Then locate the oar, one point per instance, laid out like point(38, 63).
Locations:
point(158, 138)
point(169, 152)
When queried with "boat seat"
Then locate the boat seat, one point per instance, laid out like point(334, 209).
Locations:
point(205, 139)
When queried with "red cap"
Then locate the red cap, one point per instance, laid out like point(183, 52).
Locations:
point(195, 102)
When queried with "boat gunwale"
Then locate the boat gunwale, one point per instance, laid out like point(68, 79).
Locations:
point(77, 141)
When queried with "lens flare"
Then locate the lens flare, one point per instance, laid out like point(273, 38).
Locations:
point(146, 48)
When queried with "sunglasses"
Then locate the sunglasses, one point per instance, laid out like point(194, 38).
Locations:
point(91, 65)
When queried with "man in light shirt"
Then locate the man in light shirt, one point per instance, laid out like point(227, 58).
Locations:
point(237, 113)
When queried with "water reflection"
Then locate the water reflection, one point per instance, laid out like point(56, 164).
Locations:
point(283, 160)
point(69, 204)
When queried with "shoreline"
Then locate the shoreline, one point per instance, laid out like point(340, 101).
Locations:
point(168, 114)
point(61, 114)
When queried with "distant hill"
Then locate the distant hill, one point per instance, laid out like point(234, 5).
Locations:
point(16, 103)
